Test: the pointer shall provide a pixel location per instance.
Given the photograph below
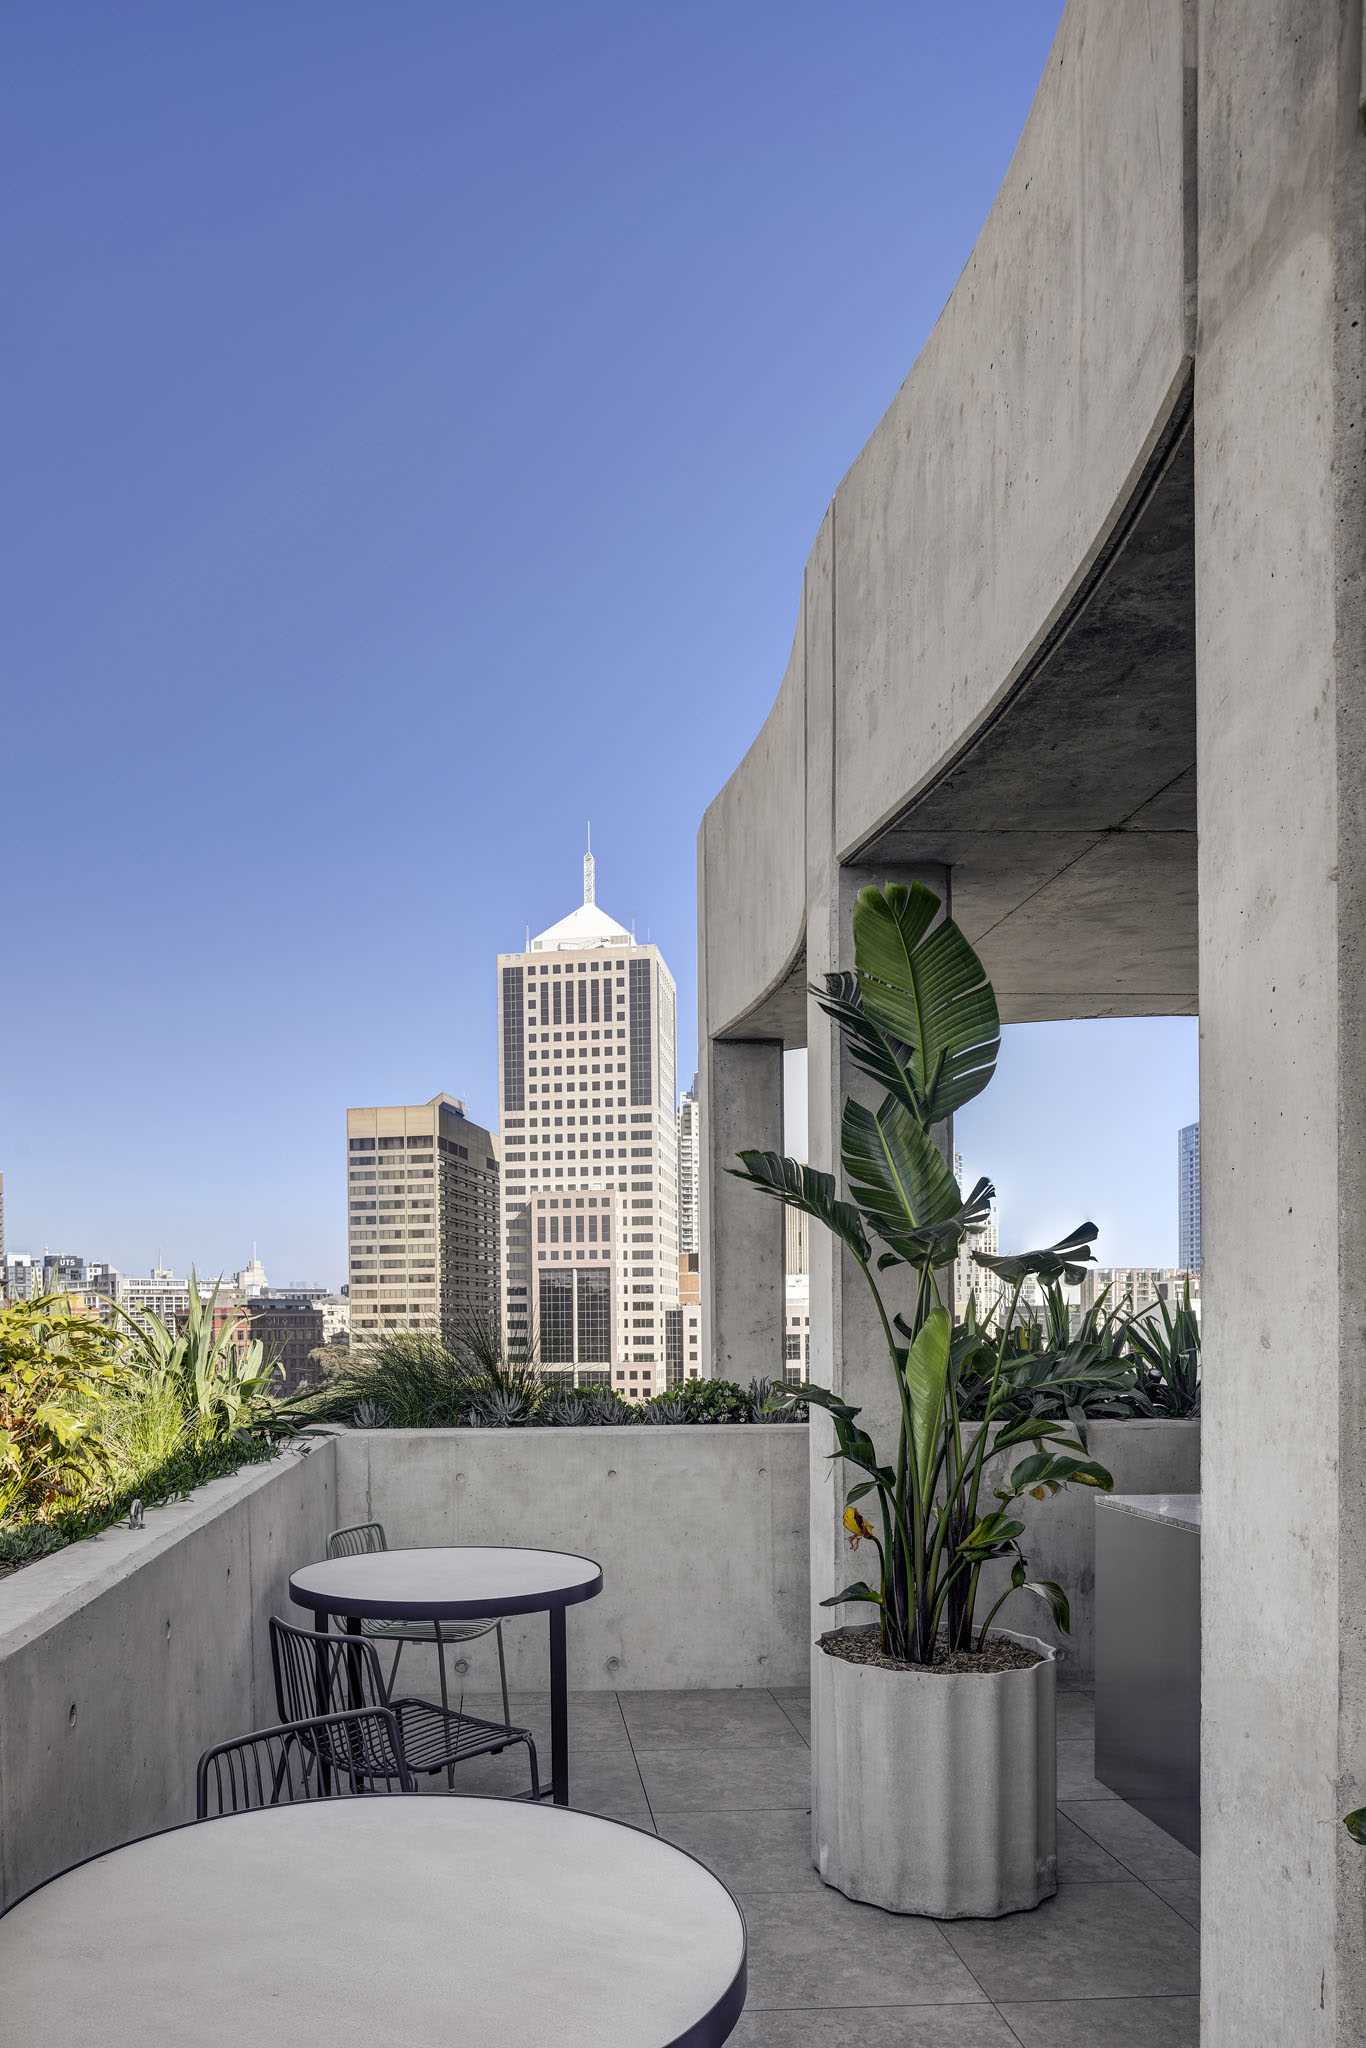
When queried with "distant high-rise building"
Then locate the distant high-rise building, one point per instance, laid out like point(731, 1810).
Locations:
point(292, 1329)
point(971, 1282)
point(1188, 1197)
point(422, 1219)
point(797, 1327)
point(1138, 1288)
point(63, 1272)
point(796, 1242)
point(160, 1293)
point(23, 1276)
point(586, 1075)
point(690, 1170)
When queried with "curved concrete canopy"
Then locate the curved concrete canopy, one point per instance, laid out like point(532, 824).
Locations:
point(993, 657)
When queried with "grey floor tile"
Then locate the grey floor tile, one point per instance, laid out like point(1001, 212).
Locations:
point(1183, 1893)
point(1139, 1843)
point(800, 1693)
point(1077, 1770)
point(711, 1720)
point(750, 1852)
point(799, 1714)
point(907, 2026)
point(1108, 2023)
point(1081, 1859)
point(817, 1949)
point(728, 1780)
point(1093, 1941)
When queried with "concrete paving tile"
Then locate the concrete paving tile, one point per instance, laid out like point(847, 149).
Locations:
point(818, 1949)
point(1182, 1893)
point(1081, 1859)
point(1108, 2023)
point(750, 1852)
point(707, 1720)
point(800, 1717)
point(1139, 1843)
point(1093, 1941)
point(728, 1780)
point(907, 2026)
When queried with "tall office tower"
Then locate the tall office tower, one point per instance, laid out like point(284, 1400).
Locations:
point(1188, 1196)
point(971, 1282)
point(690, 1171)
point(796, 1242)
point(422, 1219)
point(590, 1150)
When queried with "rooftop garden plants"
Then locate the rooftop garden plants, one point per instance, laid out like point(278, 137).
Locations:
point(94, 1416)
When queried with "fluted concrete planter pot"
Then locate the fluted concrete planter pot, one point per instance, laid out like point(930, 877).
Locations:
point(936, 1794)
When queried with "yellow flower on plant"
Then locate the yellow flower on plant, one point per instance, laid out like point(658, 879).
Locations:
point(858, 1526)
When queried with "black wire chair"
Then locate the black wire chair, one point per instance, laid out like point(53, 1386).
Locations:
point(324, 1757)
point(364, 1538)
point(321, 1674)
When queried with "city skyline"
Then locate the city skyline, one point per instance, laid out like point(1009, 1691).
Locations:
point(303, 485)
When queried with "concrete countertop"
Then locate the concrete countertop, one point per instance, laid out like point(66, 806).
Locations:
point(1179, 1510)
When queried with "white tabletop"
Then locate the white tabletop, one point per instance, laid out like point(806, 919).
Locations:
point(446, 1584)
point(409, 1919)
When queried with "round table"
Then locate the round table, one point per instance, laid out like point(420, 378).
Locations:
point(355, 1921)
point(464, 1583)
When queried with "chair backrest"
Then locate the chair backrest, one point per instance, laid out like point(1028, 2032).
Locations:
point(326, 1757)
point(322, 1674)
point(356, 1541)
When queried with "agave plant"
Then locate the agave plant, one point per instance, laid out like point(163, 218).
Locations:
point(919, 1016)
point(1048, 1369)
point(224, 1380)
point(1166, 1349)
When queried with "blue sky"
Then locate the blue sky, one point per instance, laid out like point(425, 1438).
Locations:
point(419, 420)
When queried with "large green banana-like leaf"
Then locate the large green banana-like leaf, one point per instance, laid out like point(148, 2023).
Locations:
point(872, 1047)
point(802, 1187)
point(924, 984)
point(926, 1373)
point(1066, 1260)
point(900, 1181)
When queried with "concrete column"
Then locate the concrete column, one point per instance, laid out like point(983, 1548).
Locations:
point(743, 1294)
point(1281, 654)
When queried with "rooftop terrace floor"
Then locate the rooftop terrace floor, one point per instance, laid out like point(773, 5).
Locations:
point(1112, 1962)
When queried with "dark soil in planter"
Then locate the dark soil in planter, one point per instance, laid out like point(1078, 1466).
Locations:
point(863, 1646)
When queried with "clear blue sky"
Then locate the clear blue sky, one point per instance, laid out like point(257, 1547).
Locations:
point(419, 419)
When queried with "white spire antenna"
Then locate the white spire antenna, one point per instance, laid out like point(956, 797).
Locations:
point(590, 871)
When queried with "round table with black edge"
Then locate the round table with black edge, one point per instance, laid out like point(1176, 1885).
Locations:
point(461, 1583)
point(491, 1922)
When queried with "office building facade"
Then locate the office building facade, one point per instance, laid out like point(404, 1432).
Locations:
point(586, 1073)
point(422, 1219)
point(1188, 1197)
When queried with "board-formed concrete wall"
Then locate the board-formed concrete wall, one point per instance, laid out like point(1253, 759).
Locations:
point(124, 1656)
point(700, 1529)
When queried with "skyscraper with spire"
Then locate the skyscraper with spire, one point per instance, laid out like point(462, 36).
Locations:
point(586, 1073)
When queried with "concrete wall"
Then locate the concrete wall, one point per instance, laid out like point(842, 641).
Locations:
point(125, 1656)
point(700, 1531)
point(1280, 546)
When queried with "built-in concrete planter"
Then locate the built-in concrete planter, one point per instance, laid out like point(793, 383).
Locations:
point(936, 1793)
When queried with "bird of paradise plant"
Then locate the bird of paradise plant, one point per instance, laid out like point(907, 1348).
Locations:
point(919, 1016)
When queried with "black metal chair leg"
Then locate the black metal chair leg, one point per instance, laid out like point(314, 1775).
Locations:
point(503, 1672)
point(445, 1696)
